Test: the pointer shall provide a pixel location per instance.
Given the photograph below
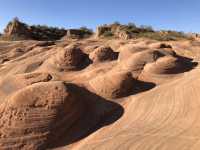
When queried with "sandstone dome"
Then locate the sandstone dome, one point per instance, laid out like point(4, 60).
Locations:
point(69, 58)
point(169, 65)
point(127, 50)
point(113, 85)
point(103, 53)
point(13, 83)
point(38, 113)
point(137, 61)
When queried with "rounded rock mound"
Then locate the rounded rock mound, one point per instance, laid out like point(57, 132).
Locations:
point(169, 65)
point(138, 60)
point(113, 85)
point(69, 58)
point(47, 115)
point(37, 115)
point(165, 65)
point(13, 83)
point(129, 49)
point(103, 53)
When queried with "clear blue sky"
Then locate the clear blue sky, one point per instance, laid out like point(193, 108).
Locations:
point(182, 15)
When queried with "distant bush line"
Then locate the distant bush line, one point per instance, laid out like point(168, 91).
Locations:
point(133, 31)
point(23, 31)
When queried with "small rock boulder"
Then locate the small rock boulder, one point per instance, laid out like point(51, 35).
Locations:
point(37, 115)
point(69, 58)
point(103, 53)
point(113, 85)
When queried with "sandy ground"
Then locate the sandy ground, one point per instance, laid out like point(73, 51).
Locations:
point(99, 94)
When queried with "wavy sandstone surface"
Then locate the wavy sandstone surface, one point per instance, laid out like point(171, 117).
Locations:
point(100, 95)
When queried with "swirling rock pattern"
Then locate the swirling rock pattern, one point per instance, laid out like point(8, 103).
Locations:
point(35, 115)
point(79, 95)
point(165, 118)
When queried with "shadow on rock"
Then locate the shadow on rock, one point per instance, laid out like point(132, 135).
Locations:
point(97, 112)
point(142, 87)
point(85, 62)
point(187, 64)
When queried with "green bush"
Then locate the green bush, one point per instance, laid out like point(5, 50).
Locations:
point(116, 23)
point(146, 28)
point(131, 25)
point(108, 34)
point(168, 36)
point(43, 32)
point(86, 32)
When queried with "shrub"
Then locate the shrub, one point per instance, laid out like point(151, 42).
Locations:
point(168, 36)
point(116, 23)
point(130, 29)
point(43, 32)
point(86, 31)
point(131, 25)
point(108, 34)
point(146, 28)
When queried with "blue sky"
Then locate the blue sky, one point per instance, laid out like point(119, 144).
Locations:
point(182, 15)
